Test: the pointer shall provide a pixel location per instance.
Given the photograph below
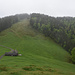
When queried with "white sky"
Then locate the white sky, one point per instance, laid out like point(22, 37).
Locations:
point(48, 7)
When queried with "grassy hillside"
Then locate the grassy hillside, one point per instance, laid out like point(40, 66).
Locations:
point(40, 55)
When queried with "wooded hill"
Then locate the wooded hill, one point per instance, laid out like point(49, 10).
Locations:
point(40, 54)
point(60, 29)
point(8, 21)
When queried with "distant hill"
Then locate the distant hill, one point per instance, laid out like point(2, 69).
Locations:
point(40, 54)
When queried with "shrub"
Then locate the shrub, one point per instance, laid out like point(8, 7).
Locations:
point(73, 55)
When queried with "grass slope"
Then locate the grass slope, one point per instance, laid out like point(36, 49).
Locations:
point(45, 56)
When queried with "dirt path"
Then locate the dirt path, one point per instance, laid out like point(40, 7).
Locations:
point(4, 54)
point(6, 47)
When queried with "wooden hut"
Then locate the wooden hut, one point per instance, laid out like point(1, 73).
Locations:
point(12, 53)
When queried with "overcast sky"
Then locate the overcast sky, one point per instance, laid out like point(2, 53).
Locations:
point(48, 7)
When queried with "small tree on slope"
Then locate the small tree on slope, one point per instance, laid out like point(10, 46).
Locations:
point(73, 55)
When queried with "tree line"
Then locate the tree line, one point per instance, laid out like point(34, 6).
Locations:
point(8, 21)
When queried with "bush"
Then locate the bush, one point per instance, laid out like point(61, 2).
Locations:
point(73, 55)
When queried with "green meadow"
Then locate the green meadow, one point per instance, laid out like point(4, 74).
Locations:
point(40, 54)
